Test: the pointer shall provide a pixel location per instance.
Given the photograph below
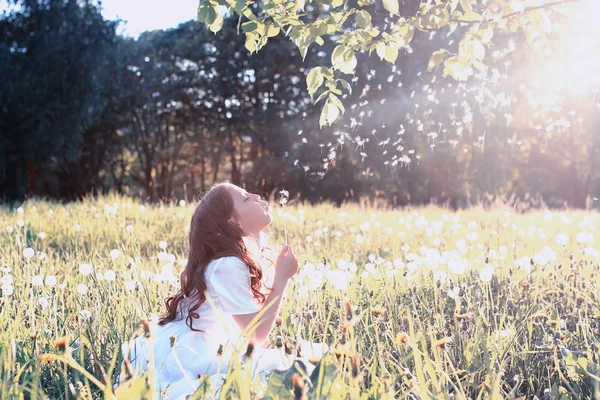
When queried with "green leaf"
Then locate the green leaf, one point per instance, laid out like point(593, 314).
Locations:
point(343, 59)
point(391, 6)
point(314, 80)
point(336, 102)
point(329, 114)
point(380, 48)
point(272, 30)
point(217, 25)
point(391, 53)
point(471, 17)
point(239, 5)
point(436, 59)
point(363, 19)
point(249, 26)
point(251, 43)
point(337, 3)
point(319, 40)
point(466, 6)
point(322, 96)
point(206, 14)
point(346, 85)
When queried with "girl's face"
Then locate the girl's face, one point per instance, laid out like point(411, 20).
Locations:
point(251, 212)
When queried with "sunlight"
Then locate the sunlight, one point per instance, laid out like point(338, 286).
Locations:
point(568, 65)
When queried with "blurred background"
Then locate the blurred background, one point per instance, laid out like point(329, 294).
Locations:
point(139, 98)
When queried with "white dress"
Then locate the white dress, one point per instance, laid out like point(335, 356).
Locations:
point(195, 353)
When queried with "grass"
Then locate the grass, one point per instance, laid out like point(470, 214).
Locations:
point(415, 303)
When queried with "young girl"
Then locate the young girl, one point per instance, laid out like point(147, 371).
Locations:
point(222, 291)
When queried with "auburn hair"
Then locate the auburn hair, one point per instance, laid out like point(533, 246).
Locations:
point(211, 237)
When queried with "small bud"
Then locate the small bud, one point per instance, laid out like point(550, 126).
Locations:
point(249, 349)
point(349, 310)
point(62, 343)
point(355, 366)
point(278, 321)
point(220, 350)
point(288, 349)
point(173, 339)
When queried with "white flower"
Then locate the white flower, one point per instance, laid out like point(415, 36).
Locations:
point(21, 223)
point(7, 290)
point(85, 269)
point(162, 244)
point(182, 203)
point(110, 275)
point(42, 235)
point(562, 239)
point(129, 228)
point(82, 288)
point(37, 280)
point(51, 280)
point(454, 292)
point(7, 279)
point(472, 236)
point(20, 210)
point(28, 253)
point(114, 254)
point(486, 273)
point(43, 302)
point(85, 314)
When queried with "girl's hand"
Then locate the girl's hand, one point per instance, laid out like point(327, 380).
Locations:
point(287, 264)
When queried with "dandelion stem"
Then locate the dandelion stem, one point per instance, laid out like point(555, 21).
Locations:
point(284, 226)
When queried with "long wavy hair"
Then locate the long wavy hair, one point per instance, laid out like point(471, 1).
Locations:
point(212, 236)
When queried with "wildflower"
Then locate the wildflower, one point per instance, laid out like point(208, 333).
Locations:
point(47, 359)
point(249, 349)
point(355, 366)
point(298, 385)
point(442, 342)
point(539, 315)
point(348, 310)
point(62, 343)
point(28, 253)
point(145, 325)
point(486, 273)
point(313, 361)
point(552, 322)
point(85, 269)
point(82, 289)
point(37, 280)
point(401, 338)
point(114, 254)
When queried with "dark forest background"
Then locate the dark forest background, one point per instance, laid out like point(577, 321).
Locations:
point(85, 110)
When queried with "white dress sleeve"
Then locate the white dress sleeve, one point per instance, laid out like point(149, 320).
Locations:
point(230, 279)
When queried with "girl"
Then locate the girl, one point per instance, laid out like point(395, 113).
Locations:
point(222, 291)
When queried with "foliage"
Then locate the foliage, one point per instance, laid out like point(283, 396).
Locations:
point(368, 26)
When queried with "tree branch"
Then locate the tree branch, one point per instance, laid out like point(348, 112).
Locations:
point(525, 11)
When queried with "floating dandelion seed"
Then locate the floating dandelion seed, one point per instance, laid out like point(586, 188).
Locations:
point(284, 195)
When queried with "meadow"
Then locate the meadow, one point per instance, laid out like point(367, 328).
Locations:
point(415, 303)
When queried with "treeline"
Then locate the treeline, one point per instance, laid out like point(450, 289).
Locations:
point(83, 110)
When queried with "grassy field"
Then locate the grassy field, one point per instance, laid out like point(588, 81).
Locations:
point(418, 303)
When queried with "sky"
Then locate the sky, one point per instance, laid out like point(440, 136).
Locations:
point(143, 15)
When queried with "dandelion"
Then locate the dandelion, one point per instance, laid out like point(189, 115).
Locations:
point(562, 239)
point(42, 235)
point(401, 338)
point(110, 275)
point(85, 269)
point(85, 314)
point(7, 290)
point(37, 280)
point(284, 195)
point(486, 273)
point(43, 302)
point(50, 280)
point(82, 289)
point(28, 253)
point(249, 349)
point(454, 292)
point(162, 244)
point(114, 254)
point(9, 229)
point(62, 343)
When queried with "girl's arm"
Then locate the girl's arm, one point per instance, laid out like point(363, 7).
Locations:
point(267, 319)
point(285, 267)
